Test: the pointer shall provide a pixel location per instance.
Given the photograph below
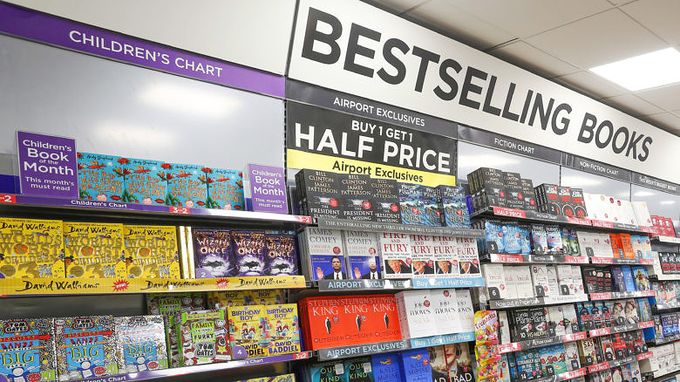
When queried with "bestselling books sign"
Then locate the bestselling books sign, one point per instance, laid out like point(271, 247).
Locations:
point(327, 140)
point(47, 165)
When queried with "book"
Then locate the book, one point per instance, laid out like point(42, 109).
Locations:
point(203, 337)
point(641, 278)
point(250, 252)
point(445, 256)
point(539, 278)
point(324, 254)
point(419, 205)
point(143, 183)
point(31, 248)
point(355, 193)
point(454, 207)
point(539, 239)
point(281, 330)
point(247, 326)
point(459, 362)
point(85, 347)
point(359, 370)
point(363, 259)
point(223, 188)
point(264, 189)
point(212, 252)
point(628, 279)
point(494, 278)
point(385, 194)
point(444, 303)
point(422, 255)
point(140, 343)
point(282, 256)
point(152, 251)
point(465, 310)
point(415, 366)
point(332, 371)
point(101, 177)
point(468, 256)
point(184, 187)
point(27, 350)
point(386, 367)
point(395, 252)
point(225, 299)
point(416, 314)
point(318, 193)
point(94, 250)
point(440, 372)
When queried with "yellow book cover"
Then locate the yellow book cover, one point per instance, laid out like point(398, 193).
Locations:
point(94, 250)
point(151, 251)
point(281, 330)
point(246, 329)
point(225, 299)
point(31, 248)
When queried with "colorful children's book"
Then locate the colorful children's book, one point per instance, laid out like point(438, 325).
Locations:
point(247, 331)
point(211, 250)
point(31, 248)
point(203, 337)
point(223, 300)
point(85, 347)
point(282, 255)
point(94, 250)
point(143, 183)
point(140, 343)
point(152, 251)
point(27, 350)
point(102, 177)
point(281, 330)
point(224, 188)
point(250, 252)
point(185, 188)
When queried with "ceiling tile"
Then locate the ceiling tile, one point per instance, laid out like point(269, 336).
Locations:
point(668, 121)
point(620, 2)
point(667, 97)
point(526, 56)
point(632, 105)
point(600, 39)
point(659, 16)
point(591, 84)
point(462, 26)
point(525, 18)
point(396, 5)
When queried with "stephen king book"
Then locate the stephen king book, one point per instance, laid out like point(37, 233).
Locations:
point(140, 343)
point(386, 201)
point(212, 252)
point(31, 248)
point(318, 193)
point(282, 256)
point(356, 197)
point(151, 251)
point(185, 189)
point(85, 347)
point(395, 252)
point(94, 250)
point(203, 337)
point(143, 184)
point(27, 350)
point(250, 252)
point(102, 177)
point(362, 254)
point(454, 206)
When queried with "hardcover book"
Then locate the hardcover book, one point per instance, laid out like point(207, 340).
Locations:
point(185, 189)
point(444, 303)
point(203, 337)
point(445, 256)
point(468, 256)
point(362, 254)
point(318, 193)
point(324, 254)
point(250, 252)
point(422, 255)
point(151, 251)
point(356, 193)
point(395, 252)
point(85, 347)
point(140, 343)
point(359, 370)
point(212, 252)
point(465, 311)
point(94, 250)
point(31, 248)
point(27, 350)
point(223, 188)
point(386, 201)
point(386, 367)
point(416, 314)
point(247, 325)
point(496, 286)
point(415, 366)
point(282, 254)
point(143, 183)
point(454, 207)
point(102, 177)
point(419, 205)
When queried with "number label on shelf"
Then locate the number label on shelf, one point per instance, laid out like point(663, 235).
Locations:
point(8, 199)
point(180, 210)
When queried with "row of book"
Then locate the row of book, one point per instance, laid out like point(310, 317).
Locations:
point(606, 314)
point(538, 363)
point(276, 378)
point(665, 359)
point(667, 294)
point(492, 187)
point(667, 326)
point(337, 321)
point(623, 278)
point(537, 323)
point(359, 197)
point(449, 363)
point(339, 255)
point(508, 237)
point(670, 262)
point(538, 280)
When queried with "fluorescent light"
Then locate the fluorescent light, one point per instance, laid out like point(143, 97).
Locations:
point(199, 101)
point(579, 181)
point(121, 134)
point(642, 194)
point(645, 71)
point(667, 202)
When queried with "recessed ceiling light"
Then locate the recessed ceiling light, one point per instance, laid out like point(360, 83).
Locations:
point(666, 202)
point(645, 71)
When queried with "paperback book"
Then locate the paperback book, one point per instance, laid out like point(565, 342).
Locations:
point(102, 177)
point(143, 183)
point(203, 337)
point(359, 370)
point(27, 350)
point(415, 365)
point(250, 252)
point(211, 249)
point(282, 256)
point(85, 347)
point(386, 367)
point(140, 343)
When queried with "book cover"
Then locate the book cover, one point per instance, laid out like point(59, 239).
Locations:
point(326, 372)
point(358, 370)
point(362, 254)
point(539, 239)
point(411, 203)
point(416, 314)
point(94, 250)
point(494, 278)
point(386, 367)
point(102, 177)
point(281, 329)
point(631, 310)
point(250, 252)
point(641, 278)
point(85, 347)
point(185, 189)
point(555, 244)
point(31, 248)
point(386, 201)
point(140, 343)
point(356, 197)
point(223, 188)
point(444, 304)
point(539, 277)
point(465, 311)
point(454, 207)
point(459, 362)
point(265, 189)
point(203, 336)
point(445, 256)
point(422, 255)
point(395, 252)
point(468, 256)
point(319, 193)
point(282, 256)
point(440, 372)
point(324, 254)
point(212, 252)
point(143, 183)
point(247, 325)
point(27, 350)
point(415, 366)
point(628, 280)
point(152, 251)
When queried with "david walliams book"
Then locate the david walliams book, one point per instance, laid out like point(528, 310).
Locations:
point(140, 344)
point(185, 189)
point(85, 347)
point(224, 188)
point(143, 183)
point(282, 257)
point(31, 248)
point(203, 337)
point(102, 177)
point(362, 254)
point(324, 254)
point(250, 252)
point(27, 350)
point(212, 252)
point(151, 251)
point(94, 250)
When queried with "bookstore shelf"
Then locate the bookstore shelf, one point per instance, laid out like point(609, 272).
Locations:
point(536, 301)
point(501, 258)
point(664, 341)
point(601, 296)
point(611, 260)
point(620, 329)
point(606, 365)
point(666, 239)
point(354, 225)
point(397, 284)
point(537, 343)
point(564, 376)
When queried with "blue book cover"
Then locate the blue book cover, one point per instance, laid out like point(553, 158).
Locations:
point(618, 279)
point(364, 267)
point(102, 177)
point(143, 183)
point(185, 187)
point(224, 188)
point(628, 280)
point(415, 366)
point(495, 232)
point(454, 206)
point(386, 367)
point(410, 203)
point(524, 239)
point(328, 267)
point(359, 370)
point(326, 372)
point(641, 277)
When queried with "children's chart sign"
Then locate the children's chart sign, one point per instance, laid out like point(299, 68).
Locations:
point(47, 165)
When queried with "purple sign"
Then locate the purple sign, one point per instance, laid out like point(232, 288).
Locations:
point(266, 191)
point(47, 165)
point(45, 28)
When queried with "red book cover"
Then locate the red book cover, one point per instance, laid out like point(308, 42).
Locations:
point(617, 246)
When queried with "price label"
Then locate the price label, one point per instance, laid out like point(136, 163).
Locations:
point(180, 210)
point(303, 355)
point(8, 199)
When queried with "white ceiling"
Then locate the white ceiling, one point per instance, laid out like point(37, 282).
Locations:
point(561, 39)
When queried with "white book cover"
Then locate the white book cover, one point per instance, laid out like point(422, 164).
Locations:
point(593, 205)
point(323, 241)
point(627, 212)
point(395, 252)
point(564, 279)
point(553, 284)
point(465, 311)
point(539, 277)
point(510, 281)
point(468, 256)
point(445, 306)
point(445, 255)
point(642, 215)
point(359, 243)
point(422, 255)
point(604, 246)
point(418, 319)
point(523, 284)
point(494, 278)
point(555, 320)
point(503, 326)
point(586, 242)
point(577, 279)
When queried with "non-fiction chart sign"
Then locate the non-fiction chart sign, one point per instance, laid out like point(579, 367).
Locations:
point(47, 165)
point(327, 140)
